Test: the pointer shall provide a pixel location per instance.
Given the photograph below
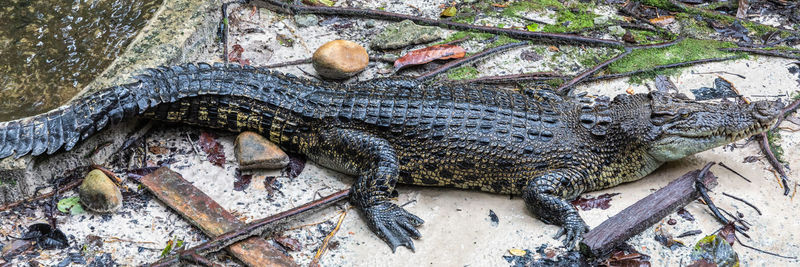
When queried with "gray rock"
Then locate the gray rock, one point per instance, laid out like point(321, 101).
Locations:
point(616, 30)
point(98, 193)
point(403, 34)
point(306, 20)
point(253, 151)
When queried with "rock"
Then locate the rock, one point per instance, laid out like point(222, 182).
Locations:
point(601, 20)
point(616, 30)
point(403, 34)
point(253, 151)
point(306, 20)
point(340, 59)
point(98, 193)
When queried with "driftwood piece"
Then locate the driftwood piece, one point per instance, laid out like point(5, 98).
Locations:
point(644, 213)
point(209, 216)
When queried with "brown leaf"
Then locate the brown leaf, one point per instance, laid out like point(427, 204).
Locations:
point(428, 54)
point(628, 259)
point(158, 150)
point(628, 37)
point(602, 202)
point(663, 20)
point(236, 55)
point(729, 233)
point(214, 150)
point(685, 214)
point(242, 181)
point(289, 243)
point(553, 48)
point(296, 165)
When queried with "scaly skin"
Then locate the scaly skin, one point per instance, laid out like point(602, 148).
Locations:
point(388, 131)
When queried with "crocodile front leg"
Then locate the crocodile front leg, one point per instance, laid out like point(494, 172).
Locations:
point(373, 161)
point(545, 197)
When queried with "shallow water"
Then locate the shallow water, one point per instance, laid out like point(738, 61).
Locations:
point(50, 49)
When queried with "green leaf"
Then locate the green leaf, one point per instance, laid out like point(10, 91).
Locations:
point(70, 205)
point(167, 249)
point(533, 27)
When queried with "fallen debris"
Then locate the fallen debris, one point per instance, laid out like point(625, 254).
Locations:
point(206, 214)
point(642, 214)
point(253, 151)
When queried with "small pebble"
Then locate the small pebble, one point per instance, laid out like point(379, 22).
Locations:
point(306, 20)
point(253, 151)
point(672, 221)
point(340, 59)
point(98, 193)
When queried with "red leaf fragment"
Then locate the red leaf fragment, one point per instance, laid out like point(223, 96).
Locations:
point(296, 165)
point(602, 202)
point(685, 214)
point(236, 55)
point(628, 259)
point(214, 150)
point(729, 233)
point(242, 181)
point(428, 54)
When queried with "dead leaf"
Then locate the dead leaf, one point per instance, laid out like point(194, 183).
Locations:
point(623, 258)
point(729, 233)
point(449, 12)
point(685, 214)
point(553, 48)
point(289, 243)
point(666, 239)
point(628, 37)
point(428, 54)
point(158, 150)
point(741, 13)
point(241, 182)
point(602, 202)
point(236, 55)
point(629, 90)
point(517, 252)
point(663, 20)
point(499, 5)
point(214, 150)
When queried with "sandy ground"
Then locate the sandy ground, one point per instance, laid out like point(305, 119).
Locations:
point(458, 230)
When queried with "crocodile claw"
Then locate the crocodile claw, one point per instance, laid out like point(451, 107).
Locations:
point(573, 228)
point(393, 224)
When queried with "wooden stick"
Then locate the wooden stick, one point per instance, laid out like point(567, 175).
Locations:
point(634, 219)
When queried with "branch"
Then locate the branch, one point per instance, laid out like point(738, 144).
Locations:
point(283, 7)
point(251, 229)
point(565, 88)
point(772, 53)
point(462, 61)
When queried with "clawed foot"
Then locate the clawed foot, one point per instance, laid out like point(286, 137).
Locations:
point(393, 224)
point(573, 228)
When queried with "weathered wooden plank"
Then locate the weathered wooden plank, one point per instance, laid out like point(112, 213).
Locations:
point(210, 217)
point(644, 213)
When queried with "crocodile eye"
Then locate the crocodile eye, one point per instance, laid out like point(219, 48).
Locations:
point(659, 118)
point(683, 112)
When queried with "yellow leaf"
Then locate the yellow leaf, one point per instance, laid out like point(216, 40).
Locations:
point(449, 12)
point(517, 252)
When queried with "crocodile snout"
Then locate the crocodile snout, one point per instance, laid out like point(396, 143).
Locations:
point(767, 111)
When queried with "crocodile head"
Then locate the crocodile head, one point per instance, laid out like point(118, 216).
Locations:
point(680, 127)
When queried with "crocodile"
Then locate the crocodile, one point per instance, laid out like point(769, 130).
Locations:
point(534, 143)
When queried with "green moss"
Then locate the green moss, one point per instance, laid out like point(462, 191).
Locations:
point(462, 73)
point(502, 40)
point(577, 16)
point(643, 37)
point(475, 36)
point(774, 138)
point(686, 50)
point(691, 28)
point(554, 83)
point(530, 5)
point(659, 3)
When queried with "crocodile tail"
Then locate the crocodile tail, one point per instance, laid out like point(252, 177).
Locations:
point(79, 119)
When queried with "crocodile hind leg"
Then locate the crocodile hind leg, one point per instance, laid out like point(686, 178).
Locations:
point(373, 161)
point(546, 195)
